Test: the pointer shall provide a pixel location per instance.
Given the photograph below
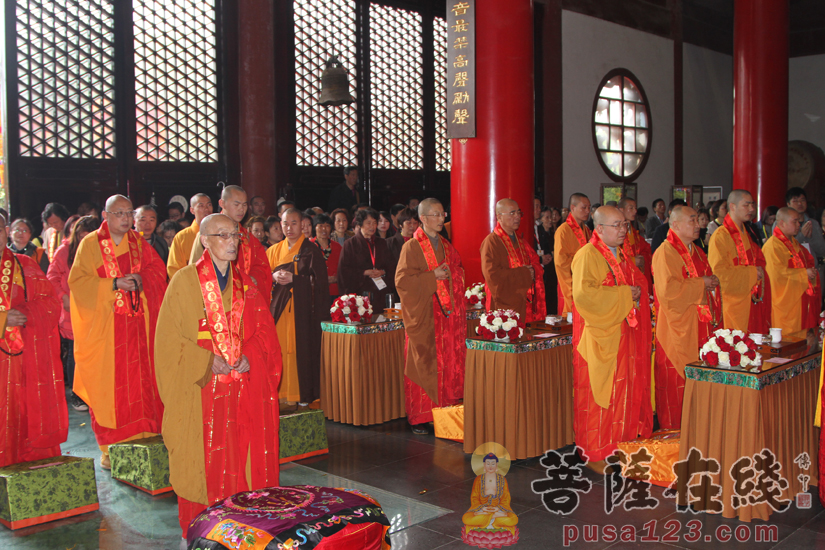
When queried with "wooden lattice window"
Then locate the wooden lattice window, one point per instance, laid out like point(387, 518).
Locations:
point(442, 144)
point(176, 80)
point(325, 136)
point(66, 83)
point(396, 88)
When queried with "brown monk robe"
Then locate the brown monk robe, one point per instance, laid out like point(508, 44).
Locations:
point(364, 258)
point(511, 287)
point(300, 301)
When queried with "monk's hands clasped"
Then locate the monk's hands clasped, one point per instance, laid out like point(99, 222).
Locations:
point(532, 271)
point(711, 282)
point(220, 366)
point(442, 272)
point(374, 273)
point(811, 273)
point(131, 282)
point(636, 293)
point(242, 365)
point(16, 319)
point(760, 273)
point(282, 277)
point(640, 261)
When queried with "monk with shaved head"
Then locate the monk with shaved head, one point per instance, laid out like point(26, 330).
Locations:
point(218, 369)
point(795, 291)
point(511, 268)
point(688, 311)
point(611, 342)
point(738, 261)
point(200, 205)
point(570, 237)
point(117, 284)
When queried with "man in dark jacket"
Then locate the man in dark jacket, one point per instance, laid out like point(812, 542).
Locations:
point(346, 195)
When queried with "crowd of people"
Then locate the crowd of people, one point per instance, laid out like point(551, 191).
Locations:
point(206, 327)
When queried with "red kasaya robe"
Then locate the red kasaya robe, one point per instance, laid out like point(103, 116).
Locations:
point(635, 245)
point(253, 261)
point(611, 358)
point(34, 418)
point(114, 352)
point(435, 346)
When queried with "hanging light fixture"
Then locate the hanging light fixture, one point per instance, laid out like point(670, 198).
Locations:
point(335, 84)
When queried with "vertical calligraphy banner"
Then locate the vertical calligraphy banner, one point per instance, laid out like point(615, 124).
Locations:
point(461, 69)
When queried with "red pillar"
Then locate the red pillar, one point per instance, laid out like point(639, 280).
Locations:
point(760, 107)
point(498, 163)
point(256, 96)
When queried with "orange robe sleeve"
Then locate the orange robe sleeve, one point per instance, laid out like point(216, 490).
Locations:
point(181, 249)
point(603, 309)
point(565, 249)
point(788, 285)
point(735, 281)
point(507, 286)
point(677, 323)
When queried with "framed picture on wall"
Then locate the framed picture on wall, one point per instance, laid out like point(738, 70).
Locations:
point(617, 191)
point(711, 195)
point(691, 194)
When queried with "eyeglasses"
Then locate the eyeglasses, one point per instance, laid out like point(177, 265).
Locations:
point(518, 213)
point(624, 225)
point(224, 236)
point(438, 215)
point(122, 214)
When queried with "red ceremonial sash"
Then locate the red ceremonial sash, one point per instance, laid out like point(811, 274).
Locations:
point(245, 249)
point(618, 274)
point(691, 273)
point(581, 234)
point(226, 333)
point(742, 257)
point(797, 258)
point(111, 269)
point(629, 245)
point(12, 335)
point(443, 285)
point(517, 258)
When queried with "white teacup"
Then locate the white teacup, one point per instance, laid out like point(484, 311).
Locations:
point(757, 338)
point(397, 305)
point(776, 335)
point(569, 316)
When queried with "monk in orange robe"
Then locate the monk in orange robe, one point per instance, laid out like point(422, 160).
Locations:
point(512, 270)
point(570, 237)
point(218, 377)
point(430, 282)
point(635, 246)
point(796, 292)
point(34, 417)
point(200, 205)
point(251, 253)
point(117, 283)
point(739, 264)
point(689, 310)
point(611, 342)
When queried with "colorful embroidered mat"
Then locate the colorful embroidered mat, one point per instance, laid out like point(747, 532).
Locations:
point(283, 517)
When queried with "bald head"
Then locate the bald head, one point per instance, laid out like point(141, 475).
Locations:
point(508, 215)
point(198, 197)
point(211, 228)
point(788, 221)
point(786, 213)
point(115, 200)
point(426, 205)
point(502, 206)
point(119, 216)
point(737, 195)
point(610, 224)
point(231, 190)
point(233, 202)
point(680, 213)
point(684, 221)
point(741, 207)
point(213, 222)
point(579, 207)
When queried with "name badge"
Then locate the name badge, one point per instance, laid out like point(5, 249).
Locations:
point(379, 283)
point(540, 252)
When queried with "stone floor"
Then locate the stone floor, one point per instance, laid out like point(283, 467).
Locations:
point(424, 485)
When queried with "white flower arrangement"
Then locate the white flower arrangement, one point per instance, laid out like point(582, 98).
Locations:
point(731, 348)
point(500, 324)
point(475, 295)
point(351, 308)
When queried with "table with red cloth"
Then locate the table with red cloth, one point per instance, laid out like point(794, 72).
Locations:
point(729, 414)
point(519, 394)
point(362, 372)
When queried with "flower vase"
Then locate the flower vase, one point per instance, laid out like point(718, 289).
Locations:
point(476, 306)
point(724, 364)
point(505, 339)
point(353, 322)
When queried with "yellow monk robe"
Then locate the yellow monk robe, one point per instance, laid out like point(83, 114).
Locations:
point(278, 254)
point(484, 506)
point(568, 241)
point(789, 283)
point(114, 351)
point(736, 280)
point(181, 249)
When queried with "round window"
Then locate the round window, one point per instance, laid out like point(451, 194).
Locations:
point(621, 125)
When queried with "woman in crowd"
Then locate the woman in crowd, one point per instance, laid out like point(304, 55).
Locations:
point(408, 222)
point(340, 225)
point(273, 231)
point(306, 222)
point(21, 243)
point(704, 220)
point(765, 225)
point(385, 228)
point(322, 224)
point(366, 266)
point(555, 217)
point(168, 230)
point(717, 212)
point(255, 225)
point(547, 233)
point(58, 274)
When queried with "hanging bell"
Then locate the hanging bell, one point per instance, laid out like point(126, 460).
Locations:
point(335, 84)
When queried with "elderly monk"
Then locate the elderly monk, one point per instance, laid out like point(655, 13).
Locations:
point(200, 206)
point(511, 268)
point(635, 246)
point(688, 307)
point(430, 282)
point(611, 342)
point(35, 420)
point(251, 253)
point(117, 283)
point(739, 264)
point(795, 292)
point(300, 301)
point(570, 237)
point(218, 376)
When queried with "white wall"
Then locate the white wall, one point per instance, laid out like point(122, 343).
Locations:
point(707, 81)
point(590, 49)
point(806, 96)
